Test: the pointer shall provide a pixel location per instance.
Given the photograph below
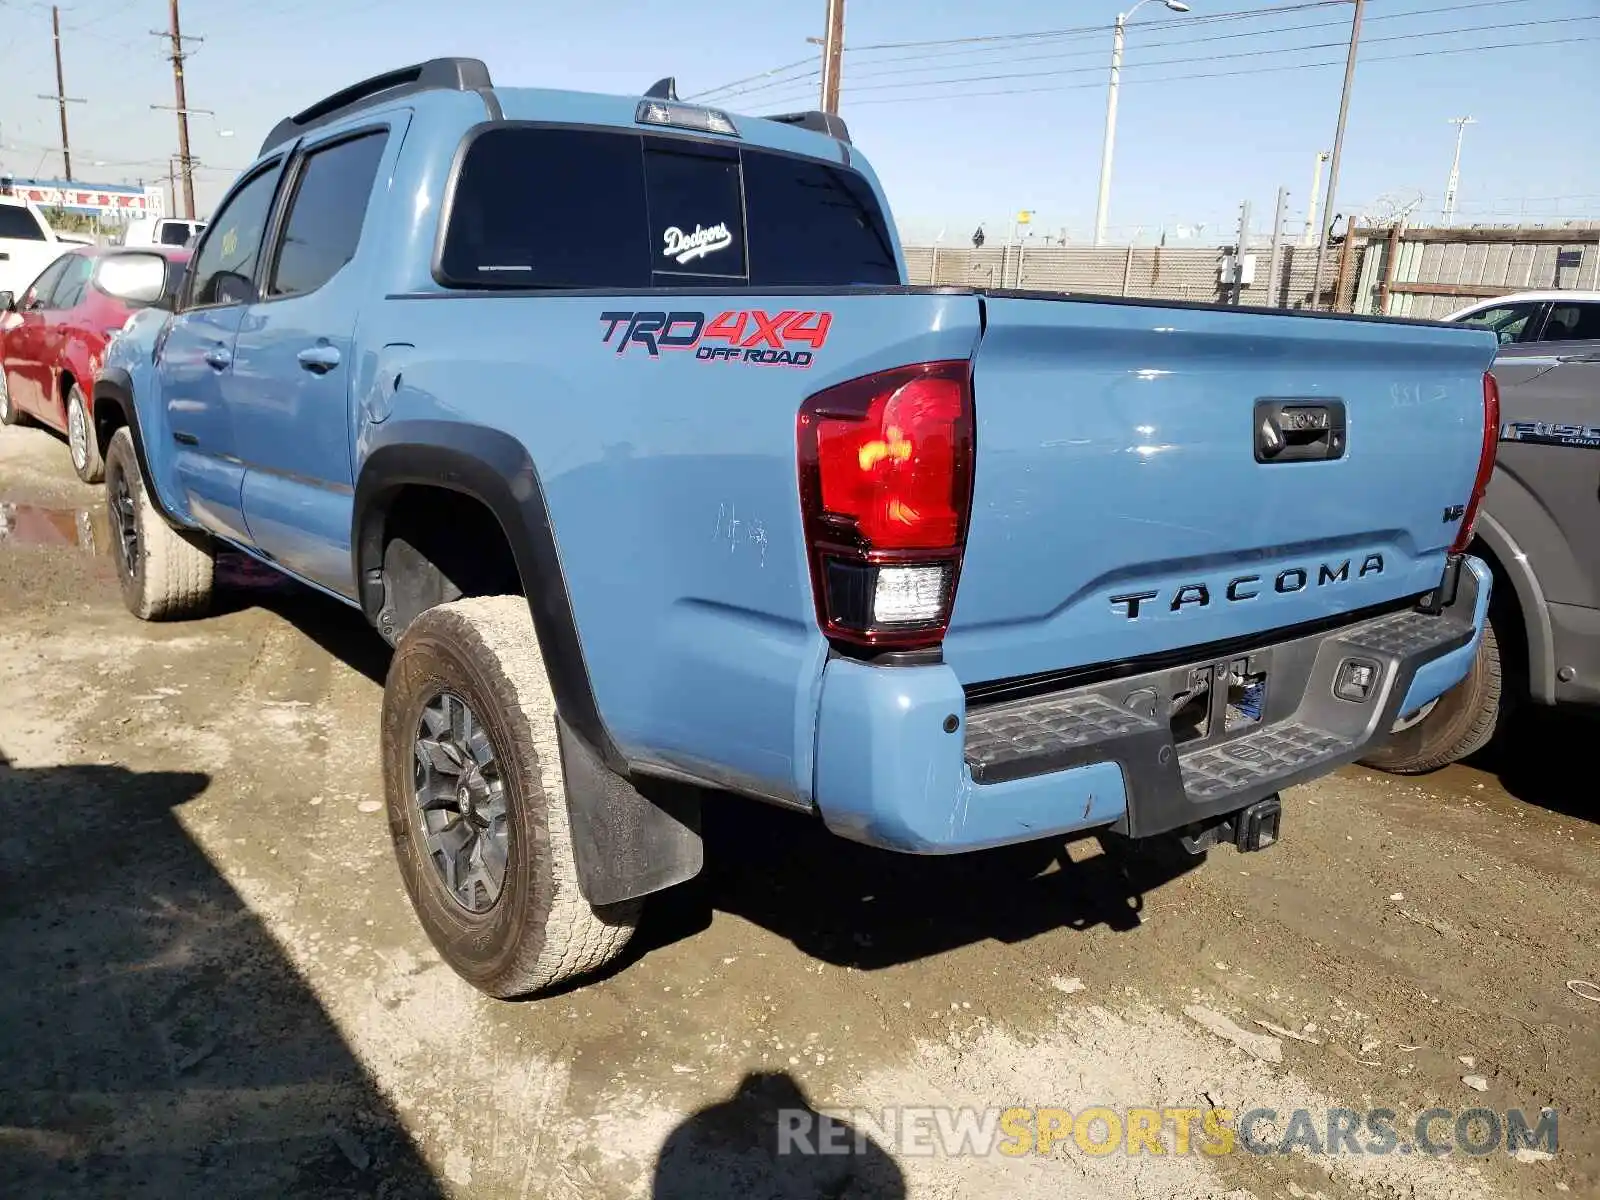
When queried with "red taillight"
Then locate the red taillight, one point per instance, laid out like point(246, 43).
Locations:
point(886, 490)
point(1491, 442)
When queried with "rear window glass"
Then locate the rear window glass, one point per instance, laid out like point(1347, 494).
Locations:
point(17, 222)
point(539, 207)
point(696, 211)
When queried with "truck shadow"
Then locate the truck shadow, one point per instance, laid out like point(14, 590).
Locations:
point(1546, 757)
point(154, 1041)
point(857, 906)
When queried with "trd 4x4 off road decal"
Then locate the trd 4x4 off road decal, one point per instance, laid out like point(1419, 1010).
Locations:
point(786, 339)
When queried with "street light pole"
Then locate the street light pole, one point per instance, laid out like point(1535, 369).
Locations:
point(1338, 149)
point(1450, 187)
point(1308, 239)
point(1118, 38)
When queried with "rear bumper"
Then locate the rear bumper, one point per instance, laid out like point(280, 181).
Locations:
point(901, 763)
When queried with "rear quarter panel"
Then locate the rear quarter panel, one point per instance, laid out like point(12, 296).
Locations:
point(672, 486)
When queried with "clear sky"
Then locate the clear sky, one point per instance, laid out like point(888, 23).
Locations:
point(1188, 150)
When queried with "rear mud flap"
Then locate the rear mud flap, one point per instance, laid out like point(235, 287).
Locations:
point(626, 844)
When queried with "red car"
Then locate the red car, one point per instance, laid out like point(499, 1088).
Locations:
point(53, 337)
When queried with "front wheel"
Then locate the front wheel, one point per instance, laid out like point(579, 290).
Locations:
point(1459, 723)
point(477, 803)
point(8, 408)
point(165, 573)
point(86, 460)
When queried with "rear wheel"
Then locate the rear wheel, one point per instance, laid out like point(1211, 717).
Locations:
point(1460, 722)
point(86, 460)
point(477, 802)
point(165, 573)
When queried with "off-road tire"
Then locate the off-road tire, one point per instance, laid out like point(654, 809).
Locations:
point(540, 931)
point(1462, 722)
point(93, 467)
point(172, 570)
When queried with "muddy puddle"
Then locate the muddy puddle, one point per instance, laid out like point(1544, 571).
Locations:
point(34, 525)
point(88, 530)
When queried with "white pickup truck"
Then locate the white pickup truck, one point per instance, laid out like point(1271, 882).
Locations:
point(27, 244)
point(163, 231)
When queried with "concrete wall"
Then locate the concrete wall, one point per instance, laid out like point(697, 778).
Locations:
point(1435, 271)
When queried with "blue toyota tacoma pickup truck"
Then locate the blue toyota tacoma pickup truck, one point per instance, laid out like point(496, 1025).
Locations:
point(617, 419)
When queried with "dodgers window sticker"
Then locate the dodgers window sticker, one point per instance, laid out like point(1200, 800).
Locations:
point(683, 248)
point(788, 338)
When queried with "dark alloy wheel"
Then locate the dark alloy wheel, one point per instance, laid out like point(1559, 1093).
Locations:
point(124, 524)
point(461, 800)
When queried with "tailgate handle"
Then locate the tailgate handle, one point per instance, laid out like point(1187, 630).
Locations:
point(1299, 430)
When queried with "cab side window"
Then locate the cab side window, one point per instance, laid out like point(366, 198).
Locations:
point(225, 264)
point(323, 228)
point(39, 290)
point(1572, 323)
point(1510, 322)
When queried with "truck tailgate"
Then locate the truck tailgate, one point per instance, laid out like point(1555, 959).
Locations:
point(1128, 502)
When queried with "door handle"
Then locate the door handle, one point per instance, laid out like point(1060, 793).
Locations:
point(319, 360)
point(218, 357)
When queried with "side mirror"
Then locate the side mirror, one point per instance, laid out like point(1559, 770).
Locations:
point(8, 302)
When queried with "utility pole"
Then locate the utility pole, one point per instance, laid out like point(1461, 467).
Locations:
point(1338, 147)
point(1309, 238)
point(1450, 187)
point(175, 36)
point(61, 98)
point(832, 56)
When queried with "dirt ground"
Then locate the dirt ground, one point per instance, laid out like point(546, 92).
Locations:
point(213, 984)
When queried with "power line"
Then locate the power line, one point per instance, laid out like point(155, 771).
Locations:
point(873, 71)
point(1068, 87)
point(785, 79)
point(1090, 30)
point(1185, 59)
point(1078, 31)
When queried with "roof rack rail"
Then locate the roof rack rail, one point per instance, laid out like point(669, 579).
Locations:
point(818, 122)
point(437, 74)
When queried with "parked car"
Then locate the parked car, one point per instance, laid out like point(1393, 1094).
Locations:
point(27, 243)
point(53, 338)
point(616, 416)
point(1537, 532)
point(161, 231)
